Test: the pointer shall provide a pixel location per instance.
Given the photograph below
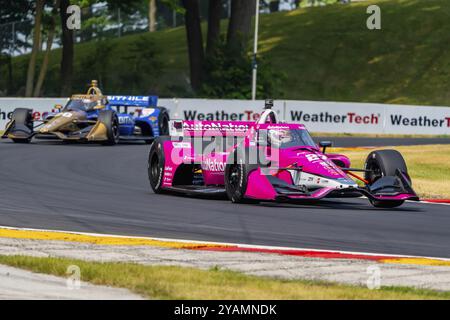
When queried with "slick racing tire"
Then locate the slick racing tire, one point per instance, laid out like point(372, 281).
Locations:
point(156, 162)
point(111, 122)
point(236, 178)
point(163, 122)
point(384, 163)
point(24, 117)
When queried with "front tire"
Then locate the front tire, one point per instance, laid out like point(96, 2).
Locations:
point(111, 122)
point(386, 203)
point(384, 163)
point(23, 119)
point(236, 179)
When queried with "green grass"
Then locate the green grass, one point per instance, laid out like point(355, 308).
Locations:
point(157, 282)
point(428, 166)
point(326, 53)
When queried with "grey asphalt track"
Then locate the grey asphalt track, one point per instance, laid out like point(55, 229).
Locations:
point(99, 189)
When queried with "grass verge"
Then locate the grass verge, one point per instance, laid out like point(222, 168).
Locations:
point(428, 166)
point(162, 282)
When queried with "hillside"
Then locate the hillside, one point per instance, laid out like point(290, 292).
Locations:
point(326, 53)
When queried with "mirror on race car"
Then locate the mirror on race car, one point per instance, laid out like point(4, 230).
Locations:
point(325, 144)
point(58, 106)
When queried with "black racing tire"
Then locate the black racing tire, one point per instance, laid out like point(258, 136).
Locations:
point(156, 163)
point(236, 178)
point(384, 163)
point(163, 122)
point(23, 116)
point(386, 203)
point(110, 120)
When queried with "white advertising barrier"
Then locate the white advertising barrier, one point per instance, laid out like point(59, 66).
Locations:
point(333, 117)
point(218, 109)
point(39, 105)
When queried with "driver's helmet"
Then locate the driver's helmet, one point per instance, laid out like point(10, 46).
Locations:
point(278, 137)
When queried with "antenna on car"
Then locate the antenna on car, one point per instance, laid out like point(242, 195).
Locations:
point(268, 104)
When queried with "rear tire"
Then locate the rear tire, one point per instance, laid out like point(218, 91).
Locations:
point(163, 123)
point(23, 116)
point(110, 120)
point(156, 163)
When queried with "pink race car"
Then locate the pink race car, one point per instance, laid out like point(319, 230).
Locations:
point(269, 161)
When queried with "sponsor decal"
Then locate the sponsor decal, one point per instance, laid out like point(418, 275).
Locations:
point(128, 98)
point(125, 120)
point(148, 111)
point(181, 144)
point(201, 126)
point(213, 165)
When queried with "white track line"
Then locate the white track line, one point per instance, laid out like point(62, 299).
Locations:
point(241, 245)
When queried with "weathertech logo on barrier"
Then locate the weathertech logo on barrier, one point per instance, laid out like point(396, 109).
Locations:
point(422, 121)
point(36, 115)
point(246, 115)
point(325, 117)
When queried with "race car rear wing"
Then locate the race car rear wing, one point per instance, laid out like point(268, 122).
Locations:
point(133, 101)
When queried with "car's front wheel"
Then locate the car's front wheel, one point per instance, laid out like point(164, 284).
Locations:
point(109, 119)
point(383, 163)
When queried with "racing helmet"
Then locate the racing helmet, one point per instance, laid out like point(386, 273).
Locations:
point(277, 137)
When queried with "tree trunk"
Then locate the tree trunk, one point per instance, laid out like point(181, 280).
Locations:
point(240, 23)
point(50, 37)
point(67, 51)
point(195, 42)
point(35, 49)
point(152, 15)
point(214, 11)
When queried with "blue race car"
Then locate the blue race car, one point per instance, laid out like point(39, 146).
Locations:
point(93, 117)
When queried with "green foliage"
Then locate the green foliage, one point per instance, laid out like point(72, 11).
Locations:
point(228, 75)
point(143, 67)
point(140, 64)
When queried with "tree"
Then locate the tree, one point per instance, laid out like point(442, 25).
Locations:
point(195, 42)
point(152, 15)
point(214, 12)
point(67, 50)
point(240, 23)
point(35, 49)
point(50, 37)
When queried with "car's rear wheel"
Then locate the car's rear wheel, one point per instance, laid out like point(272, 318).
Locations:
point(156, 162)
point(383, 163)
point(163, 122)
